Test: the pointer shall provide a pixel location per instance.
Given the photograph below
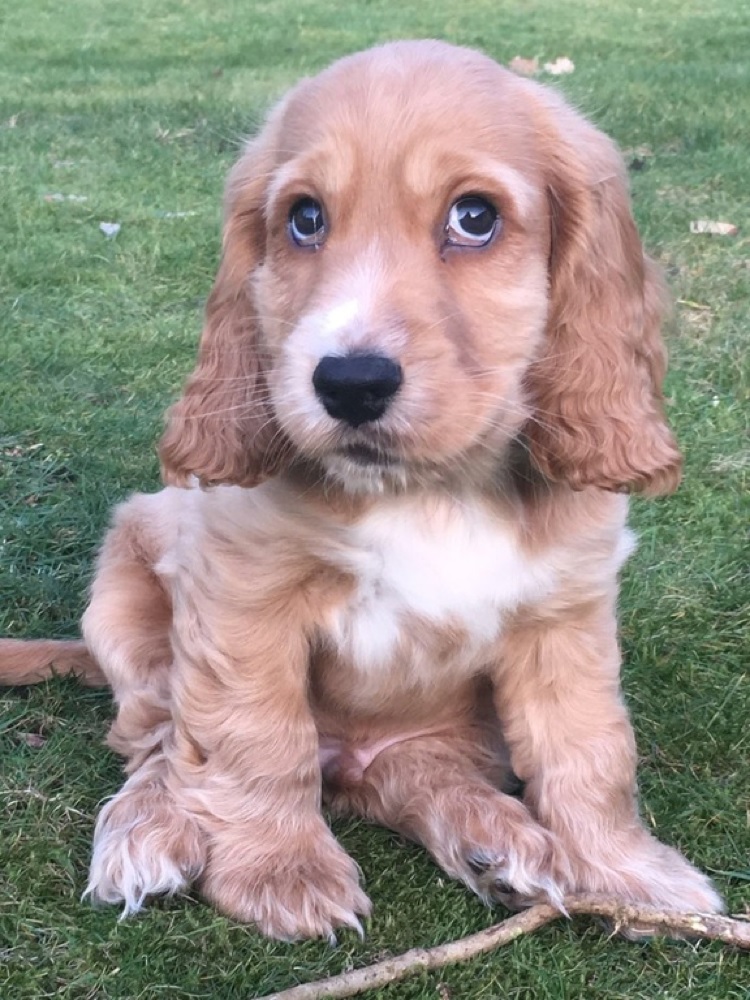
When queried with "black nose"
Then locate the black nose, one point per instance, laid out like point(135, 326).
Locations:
point(358, 387)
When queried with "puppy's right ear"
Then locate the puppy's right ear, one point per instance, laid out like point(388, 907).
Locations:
point(222, 429)
point(597, 387)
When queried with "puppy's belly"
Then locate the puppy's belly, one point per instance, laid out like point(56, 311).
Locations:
point(424, 682)
point(346, 760)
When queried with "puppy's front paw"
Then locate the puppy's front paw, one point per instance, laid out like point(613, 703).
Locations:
point(639, 868)
point(681, 886)
point(144, 845)
point(300, 886)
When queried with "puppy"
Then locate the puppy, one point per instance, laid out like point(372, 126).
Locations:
point(388, 552)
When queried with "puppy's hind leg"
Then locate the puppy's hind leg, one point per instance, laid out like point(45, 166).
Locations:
point(438, 791)
point(145, 843)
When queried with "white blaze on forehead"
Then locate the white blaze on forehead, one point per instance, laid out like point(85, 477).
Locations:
point(339, 317)
point(344, 319)
point(333, 330)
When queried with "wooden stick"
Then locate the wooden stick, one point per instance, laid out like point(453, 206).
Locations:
point(623, 917)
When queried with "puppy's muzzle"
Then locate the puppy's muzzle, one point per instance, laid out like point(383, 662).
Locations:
point(357, 388)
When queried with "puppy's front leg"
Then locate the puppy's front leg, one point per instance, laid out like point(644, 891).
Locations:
point(247, 762)
point(558, 695)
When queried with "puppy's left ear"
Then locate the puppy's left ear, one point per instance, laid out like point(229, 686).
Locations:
point(597, 388)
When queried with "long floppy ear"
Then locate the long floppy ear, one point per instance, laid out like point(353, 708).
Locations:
point(597, 387)
point(222, 429)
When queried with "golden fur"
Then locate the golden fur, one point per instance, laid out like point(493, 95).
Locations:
point(286, 619)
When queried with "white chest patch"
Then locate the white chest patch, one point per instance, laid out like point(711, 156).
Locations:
point(447, 563)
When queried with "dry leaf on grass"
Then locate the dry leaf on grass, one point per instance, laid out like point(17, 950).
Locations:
point(698, 306)
point(57, 197)
point(174, 215)
point(34, 740)
point(560, 67)
point(713, 228)
point(524, 67)
point(642, 152)
point(17, 450)
point(173, 135)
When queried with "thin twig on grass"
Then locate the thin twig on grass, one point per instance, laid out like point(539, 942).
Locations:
point(623, 917)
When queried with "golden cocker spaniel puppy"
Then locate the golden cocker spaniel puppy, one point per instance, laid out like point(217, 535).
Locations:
point(386, 563)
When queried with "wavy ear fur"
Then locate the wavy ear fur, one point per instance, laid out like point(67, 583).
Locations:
point(598, 386)
point(222, 429)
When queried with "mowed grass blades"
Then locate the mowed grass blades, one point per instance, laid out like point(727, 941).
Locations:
point(132, 113)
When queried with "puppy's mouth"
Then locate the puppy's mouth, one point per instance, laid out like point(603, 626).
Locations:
point(362, 467)
point(367, 455)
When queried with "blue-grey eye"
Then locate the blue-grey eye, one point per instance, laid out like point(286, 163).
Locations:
point(307, 225)
point(472, 222)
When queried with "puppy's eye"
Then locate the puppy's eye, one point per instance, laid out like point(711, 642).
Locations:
point(307, 226)
point(472, 222)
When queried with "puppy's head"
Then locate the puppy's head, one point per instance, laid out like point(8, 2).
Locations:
point(425, 258)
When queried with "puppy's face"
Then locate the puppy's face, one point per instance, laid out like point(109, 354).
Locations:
point(425, 257)
point(403, 292)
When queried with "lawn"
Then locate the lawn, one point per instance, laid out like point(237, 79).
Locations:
point(131, 112)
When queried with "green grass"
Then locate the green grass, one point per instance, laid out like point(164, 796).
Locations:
point(139, 108)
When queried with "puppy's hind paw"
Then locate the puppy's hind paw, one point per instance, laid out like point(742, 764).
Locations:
point(513, 881)
point(521, 864)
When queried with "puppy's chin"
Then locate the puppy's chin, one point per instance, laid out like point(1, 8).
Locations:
point(361, 473)
point(369, 468)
